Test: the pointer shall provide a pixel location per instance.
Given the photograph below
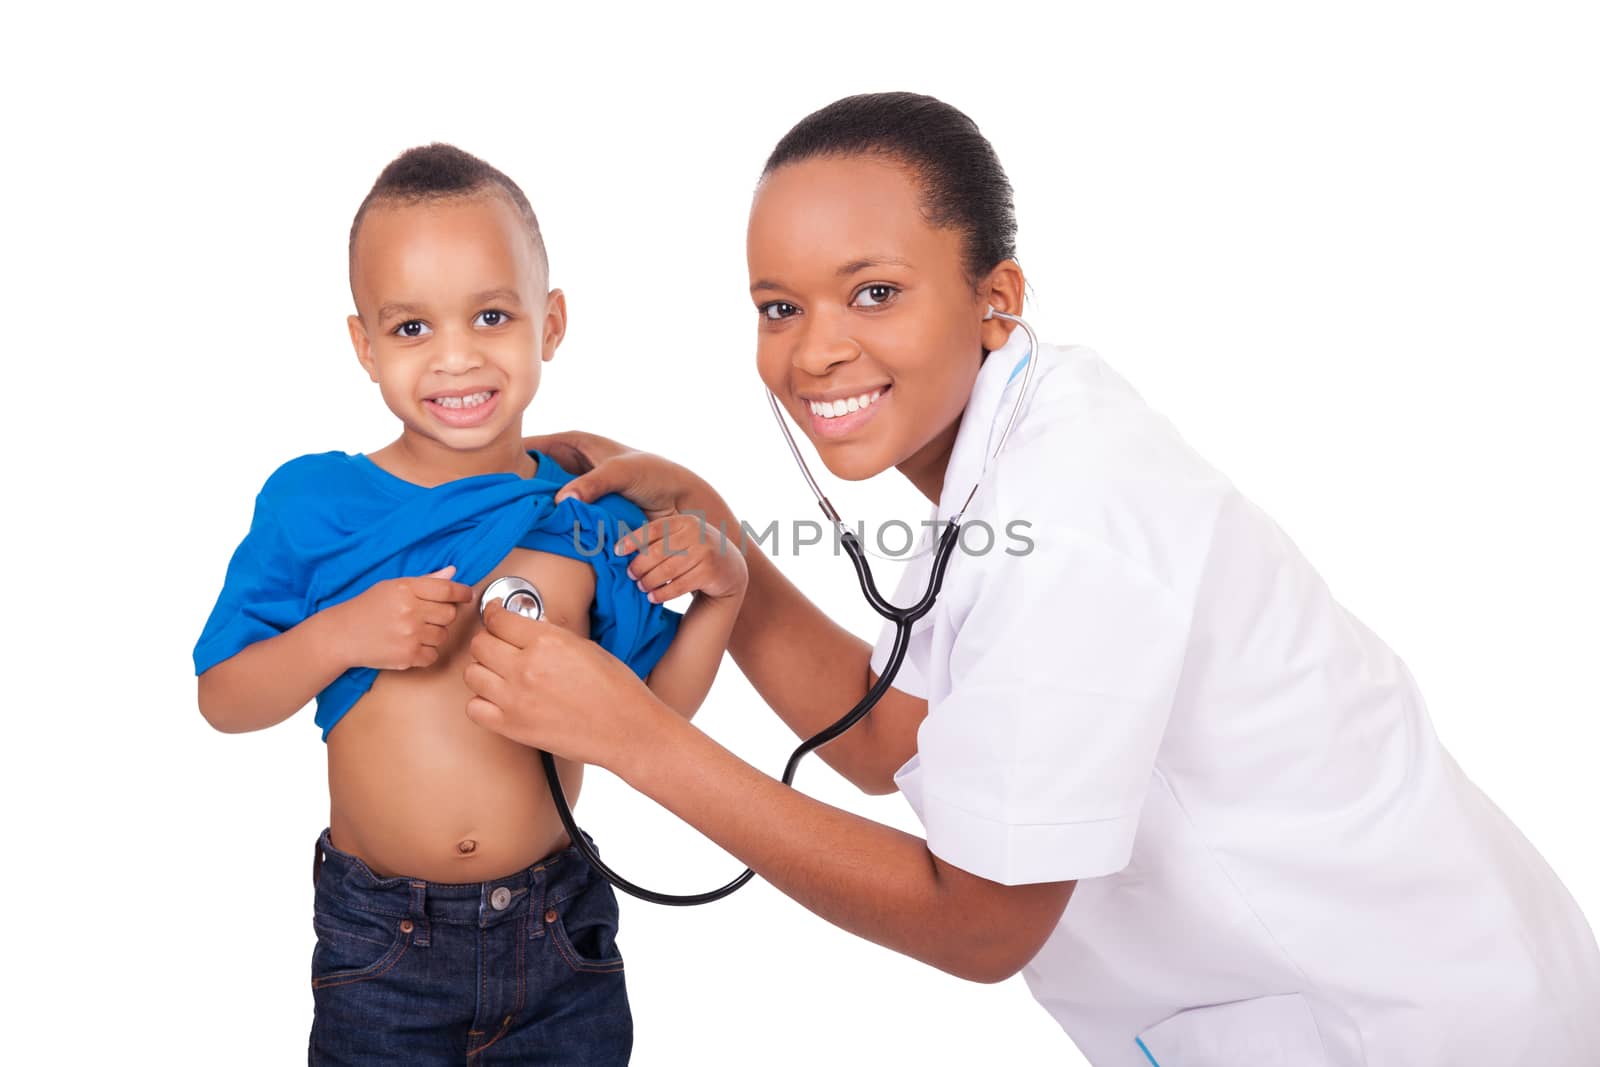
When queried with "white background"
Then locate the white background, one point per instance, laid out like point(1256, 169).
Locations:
point(1350, 252)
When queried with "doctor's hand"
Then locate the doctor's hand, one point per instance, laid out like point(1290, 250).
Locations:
point(658, 486)
point(684, 554)
point(546, 687)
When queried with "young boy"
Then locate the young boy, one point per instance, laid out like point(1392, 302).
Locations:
point(451, 914)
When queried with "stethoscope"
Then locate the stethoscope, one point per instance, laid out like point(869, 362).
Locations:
point(521, 596)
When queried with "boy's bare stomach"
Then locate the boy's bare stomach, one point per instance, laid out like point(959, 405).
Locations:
point(419, 790)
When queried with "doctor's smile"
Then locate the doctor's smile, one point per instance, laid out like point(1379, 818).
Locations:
point(835, 418)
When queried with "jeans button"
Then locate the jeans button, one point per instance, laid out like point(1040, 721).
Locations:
point(500, 898)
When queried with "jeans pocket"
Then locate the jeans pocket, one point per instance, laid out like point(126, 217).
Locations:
point(584, 928)
point(354, 946)
point(1275, 1029)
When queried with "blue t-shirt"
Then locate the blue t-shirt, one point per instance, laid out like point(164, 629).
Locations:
point(329, 525)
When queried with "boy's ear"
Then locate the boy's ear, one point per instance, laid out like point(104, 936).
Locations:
point(363, 347)
point(555, 322)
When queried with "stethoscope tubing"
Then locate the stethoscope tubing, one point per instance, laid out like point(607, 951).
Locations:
point(904, 618)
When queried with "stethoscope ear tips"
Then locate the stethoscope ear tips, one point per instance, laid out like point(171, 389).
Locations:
point(987, 315)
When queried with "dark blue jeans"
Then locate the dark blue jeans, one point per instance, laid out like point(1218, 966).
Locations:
point(524, 969)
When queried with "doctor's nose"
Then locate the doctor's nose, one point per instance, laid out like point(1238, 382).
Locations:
point(819, 357)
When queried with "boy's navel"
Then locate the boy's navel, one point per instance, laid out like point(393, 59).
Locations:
point(467, 846)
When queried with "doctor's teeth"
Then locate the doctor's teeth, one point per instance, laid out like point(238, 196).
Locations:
point(832, 409)
point(471, 400)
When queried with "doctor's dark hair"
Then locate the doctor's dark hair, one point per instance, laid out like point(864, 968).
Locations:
point(440, 171)
point(964, 186)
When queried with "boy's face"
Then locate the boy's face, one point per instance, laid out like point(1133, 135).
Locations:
point(453, 317)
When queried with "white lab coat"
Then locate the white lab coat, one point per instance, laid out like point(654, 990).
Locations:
point(1277, 862)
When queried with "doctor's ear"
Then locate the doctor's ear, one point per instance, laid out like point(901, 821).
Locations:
point(363, 346)
point(1001, 290)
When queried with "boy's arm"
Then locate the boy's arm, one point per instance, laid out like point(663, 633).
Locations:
point(265, 683)
point(683, 675)
point(680, 554)
point(395, 624)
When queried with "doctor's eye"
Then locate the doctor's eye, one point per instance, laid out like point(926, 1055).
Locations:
point(491, 317)
point(412, 328)
point(876, 295)
point(777, 310)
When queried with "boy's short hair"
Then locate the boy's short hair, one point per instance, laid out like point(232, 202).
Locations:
point(435, 172)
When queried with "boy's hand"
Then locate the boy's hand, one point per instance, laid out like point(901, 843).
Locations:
point(400, 623)
point(682, 554)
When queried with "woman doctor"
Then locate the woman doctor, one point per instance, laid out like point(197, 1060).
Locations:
point(1161, 771)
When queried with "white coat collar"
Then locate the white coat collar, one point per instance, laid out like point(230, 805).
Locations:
point(1000, 374)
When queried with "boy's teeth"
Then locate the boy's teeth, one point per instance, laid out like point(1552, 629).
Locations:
point(471, 400)
point(833, 409)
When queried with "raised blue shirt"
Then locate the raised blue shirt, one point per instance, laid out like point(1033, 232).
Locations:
point(329, 525)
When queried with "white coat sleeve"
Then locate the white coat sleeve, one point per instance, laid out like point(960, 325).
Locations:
point(1063, 669)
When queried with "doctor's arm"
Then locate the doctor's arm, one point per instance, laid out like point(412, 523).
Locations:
point(544, 687)
point(805, 666)
point(810, 671)
point(867, 878)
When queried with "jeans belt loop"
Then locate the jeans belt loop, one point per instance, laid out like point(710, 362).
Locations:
point(419, 913)
point(536, 903)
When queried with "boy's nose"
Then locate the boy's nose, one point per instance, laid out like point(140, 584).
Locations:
point(458, 354)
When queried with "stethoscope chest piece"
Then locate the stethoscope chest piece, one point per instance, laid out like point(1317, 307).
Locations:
point(518, 594)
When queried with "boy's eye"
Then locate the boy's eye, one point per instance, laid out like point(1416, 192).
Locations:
point(491, 318)
point(777, 309)
point(874, 295)
point(413, 328)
